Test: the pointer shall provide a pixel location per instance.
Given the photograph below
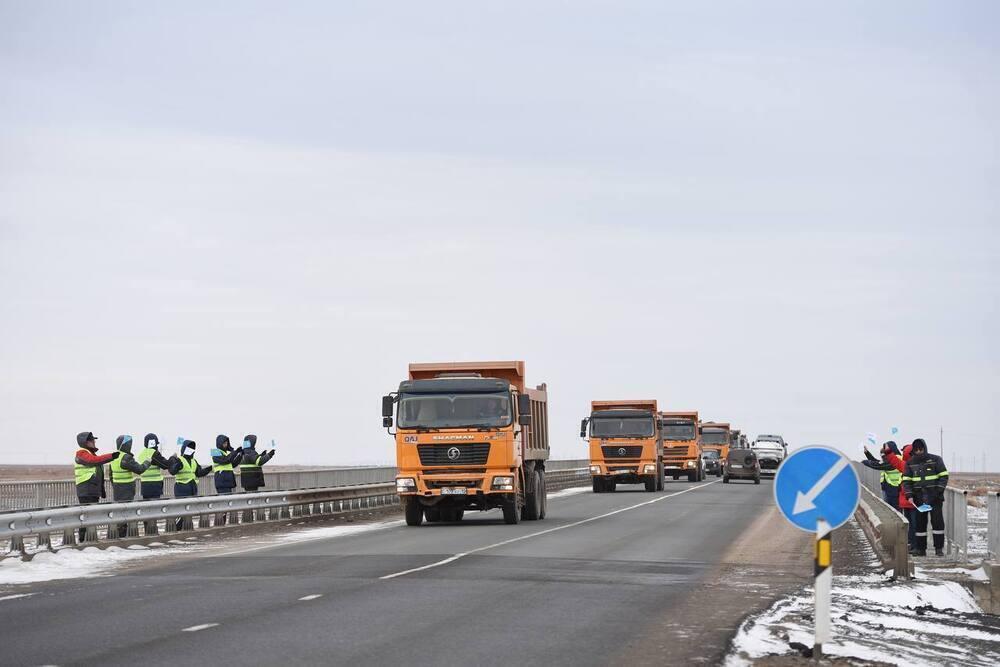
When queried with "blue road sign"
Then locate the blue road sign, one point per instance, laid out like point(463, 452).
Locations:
point(817, 483)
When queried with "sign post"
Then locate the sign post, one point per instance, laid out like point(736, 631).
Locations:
point(817, 490)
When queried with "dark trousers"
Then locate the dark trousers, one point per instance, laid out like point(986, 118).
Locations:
point(87, 500)
point(185, 491)
point(891, 496)
point(151, 490)
point(911, 533)
point(936, 516)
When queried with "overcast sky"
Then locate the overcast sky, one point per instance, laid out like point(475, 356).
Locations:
point(249, 217)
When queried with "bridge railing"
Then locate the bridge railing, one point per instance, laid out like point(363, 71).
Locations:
point(56, 493)
point(148, 518)
point(993, 525)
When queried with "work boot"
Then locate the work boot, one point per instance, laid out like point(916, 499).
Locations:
point(914, 551)
point(919, 552)
point(939, 552)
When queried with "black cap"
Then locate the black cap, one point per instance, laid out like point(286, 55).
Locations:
point(189, 443)
point(151, 437)
point(84, 438)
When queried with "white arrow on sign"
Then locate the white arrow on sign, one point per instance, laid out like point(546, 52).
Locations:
point(804, 501)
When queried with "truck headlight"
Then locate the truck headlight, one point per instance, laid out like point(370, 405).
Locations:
point(649, 469)
point(405, 484)
point(691, 464)
point(595, 470)
point(503, 483)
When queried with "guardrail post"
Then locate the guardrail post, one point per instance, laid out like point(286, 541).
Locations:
point(17, 544)
point(150, 528)
point(901, 555)
point(90, 534)
point(284, 513)
point(44, 541)
point(69, 537)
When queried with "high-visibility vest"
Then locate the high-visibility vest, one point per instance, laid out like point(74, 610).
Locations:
point(120, 475)
point(82, 473)
point(220, 467)
point(251, 466)
point(153, 472)
point(892, 477)
point(187, 472)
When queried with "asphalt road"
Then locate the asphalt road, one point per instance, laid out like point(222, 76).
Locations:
point(630, 577)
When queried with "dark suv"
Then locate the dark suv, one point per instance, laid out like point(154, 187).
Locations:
point(741, 464)
point(710, 463)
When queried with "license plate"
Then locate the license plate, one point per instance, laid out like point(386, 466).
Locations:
point(454, 491)
point(734, 466)
point(623, 472)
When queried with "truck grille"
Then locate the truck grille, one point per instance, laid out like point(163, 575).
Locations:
point(471, 454)
point(623, 452)
point(442, 483)
point(676, 450)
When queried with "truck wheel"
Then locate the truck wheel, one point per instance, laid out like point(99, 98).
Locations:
point(611, 486)
point(459, 514)
point(676, 477)
point(756, 480)
point(511, 513)
point(533, 499)
point(598, 486)
point(693, 476)
point(545, 495)
point(650, 483)
point(434, 515)
point(413, 511)
point(659, 478)
point(725, 480)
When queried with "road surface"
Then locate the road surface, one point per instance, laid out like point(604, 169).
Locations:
point(627, 578)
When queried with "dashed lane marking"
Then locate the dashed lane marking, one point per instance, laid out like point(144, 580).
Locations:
point(196, 628)
point(452, 559)
point(310, 597)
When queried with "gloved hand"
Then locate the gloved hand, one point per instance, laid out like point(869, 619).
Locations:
point(272, 453)
point(115, 455)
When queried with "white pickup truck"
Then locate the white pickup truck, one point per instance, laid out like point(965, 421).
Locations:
point(771, 451)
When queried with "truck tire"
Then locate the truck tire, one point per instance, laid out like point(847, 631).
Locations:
point(434, 515)
point(725, 480)
point(413, 511)
point(660, 483)
point(545, 494)
point(756, 480)
point(693, 476)
point(598, 485)
point(611, 486)
point(511, 512)
point(533, 499)
point(451, 515)
point(650, 483)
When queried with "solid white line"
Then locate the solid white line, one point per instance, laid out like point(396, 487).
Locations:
point(310, 597)
point(452, 559)
point(196, 628)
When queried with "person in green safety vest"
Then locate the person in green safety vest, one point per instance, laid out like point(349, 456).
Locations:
point(123, 471)
point(224, 457)
point(151, 481)
point(251, 472)
point(88, 471)
point(889, 478)
point(186, 470)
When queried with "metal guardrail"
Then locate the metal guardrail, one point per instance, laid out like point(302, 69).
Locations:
point(956, 522)
point(55, 493)
point(146, 518)
point(993, 525)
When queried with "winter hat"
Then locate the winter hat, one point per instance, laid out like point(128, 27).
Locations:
point(222, 441)
point(920, 444)
point(124, 443)
point(151, 437)
point(249, 441)
point(893, 447)
point(82, 439)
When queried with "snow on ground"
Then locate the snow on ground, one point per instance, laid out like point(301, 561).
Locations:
point(977, 524)
point(329, 532)
point(572, 491)
point(73, 563)
point(903, 623)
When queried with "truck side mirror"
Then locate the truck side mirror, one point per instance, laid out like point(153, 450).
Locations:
point(524, 404)
point(387, 422)
point(524, 419)
point(583, 428)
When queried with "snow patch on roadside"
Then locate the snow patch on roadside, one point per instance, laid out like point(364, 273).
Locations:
point(328, 532)
point(71, 564)
point(903, 623)
point(572, 491)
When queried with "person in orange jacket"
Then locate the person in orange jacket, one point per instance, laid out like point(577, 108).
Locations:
point(906, 506)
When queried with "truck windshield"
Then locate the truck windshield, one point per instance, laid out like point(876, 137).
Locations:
point(454, 410)
point(621, 427)
point(710, 454)
point(678, 430)
point(715, 437)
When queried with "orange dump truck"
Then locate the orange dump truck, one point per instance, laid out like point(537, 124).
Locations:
point(681, 450)
point(625, 445)
point(715, 435)
point(469, 436)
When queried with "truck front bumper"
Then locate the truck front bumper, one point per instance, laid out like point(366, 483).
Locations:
point(625, 473)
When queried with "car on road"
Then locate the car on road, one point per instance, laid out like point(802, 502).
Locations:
point(771, 452)
point(711, 463)
point(741, 464)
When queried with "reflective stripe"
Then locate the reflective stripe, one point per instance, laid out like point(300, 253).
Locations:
point(220, 467)
point(907, 479)
point(82, 473)
point(937, 532)
point(187, 472)
point(153, 472)
point(920, 534)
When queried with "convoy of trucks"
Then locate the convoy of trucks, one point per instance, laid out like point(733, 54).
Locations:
point(469, 436)
point(474, 436)
point(626, 444)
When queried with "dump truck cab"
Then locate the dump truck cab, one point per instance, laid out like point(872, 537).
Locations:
point(625, 444)
point(681, 449)
point(715, 435)
point(469, 436)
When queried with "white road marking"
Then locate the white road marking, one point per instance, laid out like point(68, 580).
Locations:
point(310, 597)
point(16, 597)
point(452, 559)
point(196, 628)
